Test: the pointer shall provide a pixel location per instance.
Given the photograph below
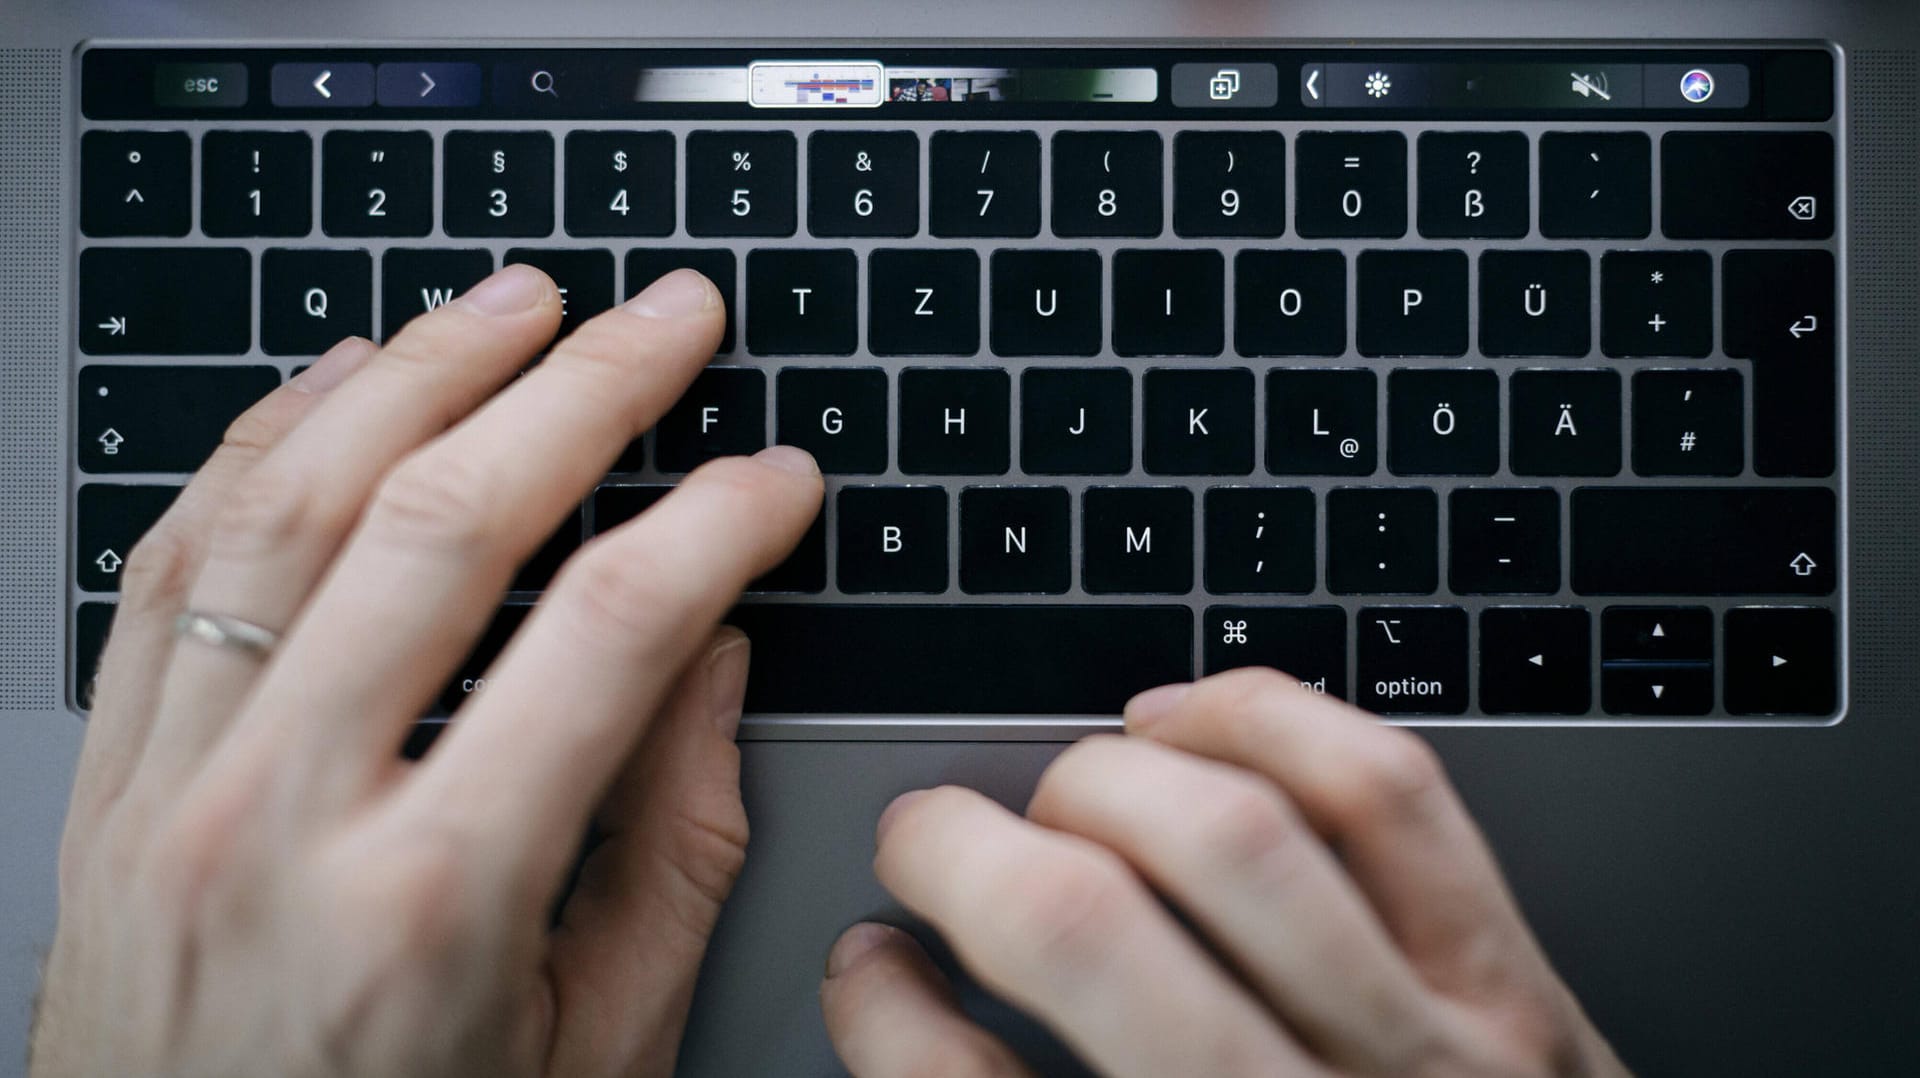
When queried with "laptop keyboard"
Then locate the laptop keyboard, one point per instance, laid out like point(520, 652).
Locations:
point(1461, 385)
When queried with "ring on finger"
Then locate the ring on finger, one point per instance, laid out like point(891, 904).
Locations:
point(225, 631)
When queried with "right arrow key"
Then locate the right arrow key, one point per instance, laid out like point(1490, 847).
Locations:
point(1781, 661)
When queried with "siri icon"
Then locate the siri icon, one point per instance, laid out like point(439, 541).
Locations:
point(1696, 86)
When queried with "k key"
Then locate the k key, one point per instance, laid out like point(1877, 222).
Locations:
point(1473, 184)
point(499, 183)
point(1198, 422)
point(376, 183)
point(256, 183)
point(985, 183)
point(1351, 184)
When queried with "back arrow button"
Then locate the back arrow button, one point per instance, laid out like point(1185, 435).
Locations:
point(320, 84)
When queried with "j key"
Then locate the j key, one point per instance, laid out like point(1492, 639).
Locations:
point(499, 183)
point(1106, 183)
point(1747, 185)
point(1443, 422)
point(1503, 542)
point(1383, 542)
point(1137, 540)
point(620, 183)
point(1704, 541)
point(1656, 660)
point(1229, 183)
point(802, 303)
point(1290, 303)
point(1046, 303)
point(1564, 423)
point(1322, 422)
point(892, 539)
point(1412, 660)
point(1351, 184)
point(1308, 642)
point(136, 183)
point(471, 677)
point(954, 422)
point(923, 303)
point(1015, 540)
point(91, 625)
point(840, 416)
point(256, 183)
point(584, 278)
point(310, 300)
point(864, 183)
point(1596, 185)
point(1474, 184)
point(1688, 423)
point(110, 521)
point(376, 183)
point(162, 419)
point(741, 183)
point(1260, 541)
point(1656, 303)
point(1076, 422)
point(165, 301)
point(539, 570)
point(415, 281)
point(1781, 661)
point(646, 265)
point(1534, 661)
point(1413, 303)
point(1536, 303)
point(1198, 422)
point(1168, 303)
point(985, 183)
point(1779, 311)
point(724, 413)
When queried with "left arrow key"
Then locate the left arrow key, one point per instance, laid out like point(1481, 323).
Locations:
point(322, 86)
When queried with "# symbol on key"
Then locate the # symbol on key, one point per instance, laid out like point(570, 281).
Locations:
point(1687, 442)
point(1236, 632)
point(742, 161)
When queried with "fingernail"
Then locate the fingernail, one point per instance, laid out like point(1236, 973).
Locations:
point(511, 290)
point(788, 459)
point(335, 366)
point(677, 295)
point(1155, 704)
point(892, 815)
point(855, 942)
point(727, 679)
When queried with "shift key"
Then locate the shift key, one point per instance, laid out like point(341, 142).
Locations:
point(1704, 541)
point(165, 301)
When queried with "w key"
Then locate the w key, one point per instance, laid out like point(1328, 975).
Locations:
point(413, 282)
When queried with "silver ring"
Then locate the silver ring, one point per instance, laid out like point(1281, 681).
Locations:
point(223, 631)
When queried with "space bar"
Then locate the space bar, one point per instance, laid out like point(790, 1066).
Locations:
point(951, 660)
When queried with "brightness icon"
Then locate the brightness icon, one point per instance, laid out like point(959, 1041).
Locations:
point(1378, 84)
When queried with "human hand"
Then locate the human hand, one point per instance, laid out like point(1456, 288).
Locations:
point(1346, 916)
point(252, 881)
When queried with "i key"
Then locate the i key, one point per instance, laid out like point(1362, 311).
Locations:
point(620, 183)
point(1076, 422)
point(256, 183)
point(1106, 183)
point(1351, 184)
point(1168, 303)
point(499, 183)
point(741, 183)
point(863, 183)
point(376, 183)
point(1229, 183)
point(135, 183)
point(1473, 184)
point(985, 183)
point(1260, 541)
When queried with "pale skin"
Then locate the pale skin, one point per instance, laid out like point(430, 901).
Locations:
point(254, 881)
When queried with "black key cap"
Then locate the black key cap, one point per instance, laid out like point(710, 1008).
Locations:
point(1046, 303)
point(1656, 660)
point(1596, 185)
point(256, 183)
point(1136, 540)
point(741, 183)
point(165, 301)
point(923, 303)
point(1534, 661)
point(1351, 184)
point(1322, 422)
point(162, 419)
point(805, 570)
point(1198, 422)
point(1308, 642)
point(840, 416)
point(724, 413)
point(1383, 541)
point(954, 422)
point(1564, 423)
point(1020, 660)
point(1747, 185)
point(499, 183)
point(620, 183)
point(1413, 303)
point(1536, 303)
point(1781, 661)
point(1076, 422)
point(91, 625)
point(1474, 184)
point(617, 503)
point(1260, 541)
point(414, 281)
point(584, 278)
point(111, 520)
point(1412, 660)
point(539, 570)
point(1168, 303)
point(1229, 183)
point(471, 677)
point(863, 183)
point(376, 183)
point(136, 183)
point(646, 265)
point(1443, 422)
point(1704, 541)
point(892, 539)
point(984, 183)
point(1503, 542)
point(1290, 303)
point(1015, 540)
point(1656, 303)
point(1688, 423)
point(1779, 311)
point(1106, 183)
point(802, 303)
point(310, 300)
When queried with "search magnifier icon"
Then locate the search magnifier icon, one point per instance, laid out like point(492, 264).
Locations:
point(542, 83)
